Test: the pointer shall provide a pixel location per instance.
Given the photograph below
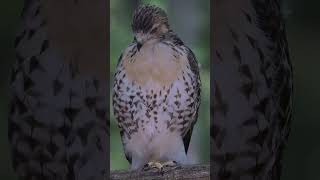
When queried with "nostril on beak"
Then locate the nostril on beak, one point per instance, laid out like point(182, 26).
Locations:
point(139, 45)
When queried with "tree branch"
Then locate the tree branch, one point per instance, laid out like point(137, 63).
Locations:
point(195, 172)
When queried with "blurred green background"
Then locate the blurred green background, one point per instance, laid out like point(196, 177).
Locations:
point(302, 156)
point(190, 20)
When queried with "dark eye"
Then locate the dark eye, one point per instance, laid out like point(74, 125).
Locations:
point(134, 39)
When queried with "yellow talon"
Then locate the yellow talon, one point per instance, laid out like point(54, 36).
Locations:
point(155, 164)
point(169, 164)
point(159, 165)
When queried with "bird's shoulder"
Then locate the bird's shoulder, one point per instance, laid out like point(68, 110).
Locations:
point(173, 40)
point(127, 53)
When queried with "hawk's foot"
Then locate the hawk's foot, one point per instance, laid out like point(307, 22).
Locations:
point(153, 165)
point(159, 165)
point(169, 164)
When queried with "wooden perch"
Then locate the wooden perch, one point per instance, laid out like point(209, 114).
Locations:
point(195, 172)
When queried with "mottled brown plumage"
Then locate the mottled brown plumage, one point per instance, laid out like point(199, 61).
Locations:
point(252, 90)
point(58, 121)
point(156, 93)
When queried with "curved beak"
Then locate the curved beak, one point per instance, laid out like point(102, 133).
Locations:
point(139, 45)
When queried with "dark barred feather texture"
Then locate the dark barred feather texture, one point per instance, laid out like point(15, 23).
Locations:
point(146, 16)
point(58, 122)
point(252, 90)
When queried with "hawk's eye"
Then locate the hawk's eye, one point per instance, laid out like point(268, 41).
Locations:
point(134, 39)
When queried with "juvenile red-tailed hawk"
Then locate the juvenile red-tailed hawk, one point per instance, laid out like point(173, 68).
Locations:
point(58, 120)
point(156, 93)
point(252, 90)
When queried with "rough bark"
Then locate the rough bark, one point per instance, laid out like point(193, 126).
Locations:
point(195, 172)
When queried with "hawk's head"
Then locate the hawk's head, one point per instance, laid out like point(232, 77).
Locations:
point(149, 22)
